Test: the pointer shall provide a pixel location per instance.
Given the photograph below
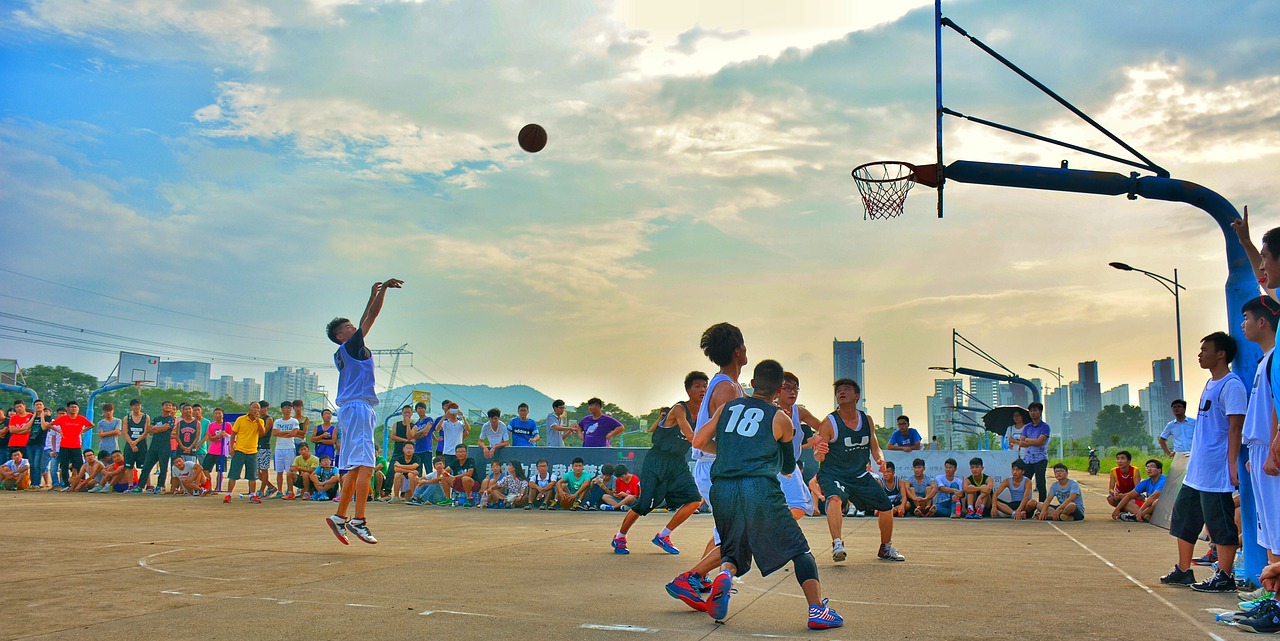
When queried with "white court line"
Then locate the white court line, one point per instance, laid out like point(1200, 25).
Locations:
point(116, 545)
point(617, 628)
point(465, 614)
point(145, 562)
point(1188, 617)
point(261, 598)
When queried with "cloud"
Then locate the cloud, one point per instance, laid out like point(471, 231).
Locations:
point(687, 42)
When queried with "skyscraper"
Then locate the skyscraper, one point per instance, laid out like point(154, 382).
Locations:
point(849, 363)
point(288, 384)
point(891, 415)
point(244, 391)
point(1118, 395)
point(984, 392)
point(946, 395)
point(1162, 391)
point(192, 376)
point(1090, 392)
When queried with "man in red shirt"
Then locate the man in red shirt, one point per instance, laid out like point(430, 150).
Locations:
point(19, 427)
point(627, 488)
point(71, 426)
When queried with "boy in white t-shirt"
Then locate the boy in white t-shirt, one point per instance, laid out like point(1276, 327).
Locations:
point(542, 486)
point(285, 429)
point(1205, 498)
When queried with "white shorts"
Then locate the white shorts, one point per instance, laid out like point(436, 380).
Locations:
point(797, 492)
point(702, 478)
point(1266, 498)
point(284, 459)
point(355, 435)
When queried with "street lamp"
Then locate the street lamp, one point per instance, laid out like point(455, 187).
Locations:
point(1172, 286)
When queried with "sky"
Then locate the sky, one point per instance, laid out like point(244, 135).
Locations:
point(215, 181)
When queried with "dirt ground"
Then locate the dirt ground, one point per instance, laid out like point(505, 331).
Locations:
point(145, 567)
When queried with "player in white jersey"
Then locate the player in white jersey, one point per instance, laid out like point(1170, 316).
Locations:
point(799, 499)
point(356, 399)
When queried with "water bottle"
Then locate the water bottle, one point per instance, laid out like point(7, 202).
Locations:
point(1239, 570)
point(958, 510)
point(1224, 617)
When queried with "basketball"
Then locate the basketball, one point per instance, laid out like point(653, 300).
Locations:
point(533, 138)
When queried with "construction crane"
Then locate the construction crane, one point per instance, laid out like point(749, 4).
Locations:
point(395, 362)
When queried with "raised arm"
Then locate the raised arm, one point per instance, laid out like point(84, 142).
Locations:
point(374, 306)
point(1241, 227)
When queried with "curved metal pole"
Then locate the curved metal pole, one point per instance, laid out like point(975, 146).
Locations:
point(91, 433)
point(1241, 285)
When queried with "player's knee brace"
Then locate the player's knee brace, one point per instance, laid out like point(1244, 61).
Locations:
point(806, 568)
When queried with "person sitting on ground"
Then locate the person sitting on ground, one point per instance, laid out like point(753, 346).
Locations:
point(572, 488)
point(977, 491)
point(490, 482)
point(88, 476)
point(601, 486)
point(302, 473)
point(921, 491)
point(895, 488)
point(433, 488)
point(626, 490)
point(950, 497)
point(1066, 492)
point(405, 470)
point(15, 474)
point(327, 480)
point(1019, 505)
point(510, 490)
point(118, 476)
point(187, 478)
point(461, 477)
point(905, 438)
point(1139, 503)
point(542, 486)
point(1123, 478)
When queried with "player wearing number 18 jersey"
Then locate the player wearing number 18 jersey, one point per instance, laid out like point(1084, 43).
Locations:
point(752, 441)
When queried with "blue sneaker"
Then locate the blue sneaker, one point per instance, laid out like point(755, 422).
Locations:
point(683, 588)
point(822, 617)
point(620, 545)
point(718, 601)
point(664, 542)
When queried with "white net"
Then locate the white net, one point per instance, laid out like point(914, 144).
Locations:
point(883, 187)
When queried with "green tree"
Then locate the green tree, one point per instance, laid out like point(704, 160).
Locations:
point(1121, 426)
point(56, 385)
point(152, 398)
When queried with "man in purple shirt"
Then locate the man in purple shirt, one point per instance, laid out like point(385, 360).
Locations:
point(598, 428)
point(1035, 438)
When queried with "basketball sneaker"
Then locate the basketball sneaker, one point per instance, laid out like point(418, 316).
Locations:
point(253, 498)
point(682, 587)
point(1179, 576)
point(226, 499)
point(620, 545)
point(1265, 618)
point(889, 553)
point(339, 527)
point(664, 542)
point(718, 601)
point(837, 551)
point(1208, 559)
point(1219, 582)
point(360, 528)
point(1248, 605)
point(822, 617)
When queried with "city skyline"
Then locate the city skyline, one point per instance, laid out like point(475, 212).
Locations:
point(222, 179)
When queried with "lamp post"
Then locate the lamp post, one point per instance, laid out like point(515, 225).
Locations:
point(1057, 373)
point(1172, 286)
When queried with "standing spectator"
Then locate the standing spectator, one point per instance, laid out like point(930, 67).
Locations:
point(285, 429)
point(404, 469)
point(265, 452)
point(403, 430)
point(4, 431)
point(244, 456)
point(1066, 492)
point(71, 426)
point(557, 426)
point(202, 446)
point(462, 477)
point(108, 429)
point(19, 426)
point(159, 449)
point(437, 436)
point(1139, 503)
point(454, 429)
point(327, 479)
point(15, 474)
point(524, 430)
point(1013, 436)
point(1205, 499)
point(905, 438)
point(325, 436)
point(52, 448)
point(215, 438)
point(977, 490)
point(542, 486)
point(1122, 479)
point(37, 456)
point(304, 426)
point(423, 432)
point(1177, 434)
point(188, 433)
point(302, 473)
point(1035, 438)
point(597, 428)
point(572, 488)
point(493, 435)
point(934, 444)
point(920, 491)
point(136, 426)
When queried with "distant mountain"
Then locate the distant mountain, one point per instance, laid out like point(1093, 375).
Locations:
point(469, 397)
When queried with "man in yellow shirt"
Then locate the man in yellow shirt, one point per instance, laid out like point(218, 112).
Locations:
point(247, 429)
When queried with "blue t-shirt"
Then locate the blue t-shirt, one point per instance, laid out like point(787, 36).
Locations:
point(423, 445)
point(1035, 453)
point(1146, 488)
point(912, 437)
point(522, 432)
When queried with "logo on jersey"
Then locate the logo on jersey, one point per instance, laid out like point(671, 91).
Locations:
point(848, 442)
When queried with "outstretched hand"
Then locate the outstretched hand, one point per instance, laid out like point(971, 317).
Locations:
point(1241, 225)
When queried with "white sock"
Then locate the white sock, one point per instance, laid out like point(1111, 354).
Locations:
point(835, 542)
point(664, 533)
point(620, 535)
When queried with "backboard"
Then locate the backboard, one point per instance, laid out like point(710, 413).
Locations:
point(9, 371)
point(138, 369)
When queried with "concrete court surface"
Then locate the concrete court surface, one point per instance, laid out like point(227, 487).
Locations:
point(169, 567)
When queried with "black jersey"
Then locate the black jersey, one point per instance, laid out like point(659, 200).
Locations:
point(670, 441)
point(745, 445)
point(137, 429)
point(163, 441)
point(850, 452)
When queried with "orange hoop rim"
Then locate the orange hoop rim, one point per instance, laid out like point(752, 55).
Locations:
point(926, 175)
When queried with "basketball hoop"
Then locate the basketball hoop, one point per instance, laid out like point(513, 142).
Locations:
point(884, 184)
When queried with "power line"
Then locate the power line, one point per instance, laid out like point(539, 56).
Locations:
point(79, 342)
point(155, 307)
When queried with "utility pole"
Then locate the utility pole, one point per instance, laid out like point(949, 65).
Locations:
point(395, 362)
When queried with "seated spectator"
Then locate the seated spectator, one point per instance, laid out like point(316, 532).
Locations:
point(1139, 503)
point(1123, 478)
point(905, 438)
point(117, 477)
point(461, 477)
point(187, 478)
point(327, 480)
point(490, 481)
point(626, 490)
point(597, 428)
point(15, 474)
point(601, 486)
point(977, 491)
point(405, 471)
point(1066, 492)
point(921, 491)
point(433, 488)
point(510, 490)
point(1019, 505)
point(88, 476)
point(493, 436)
point(572, 488)
point(950, 497)
point(895, 488)
point(302, 473)
point(542, 486)
point(380, 479)
point(524, 430)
